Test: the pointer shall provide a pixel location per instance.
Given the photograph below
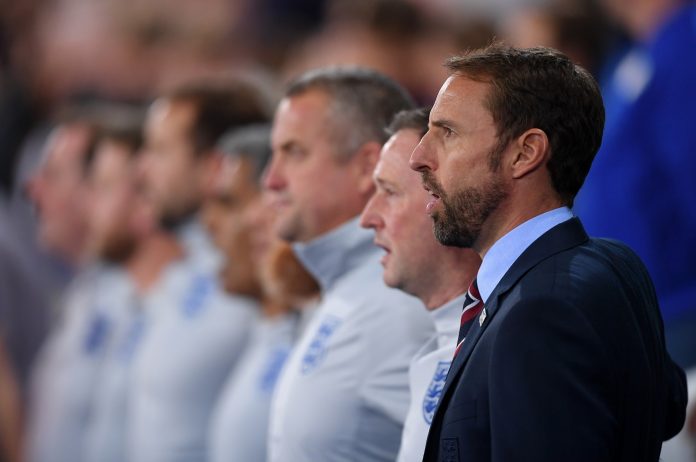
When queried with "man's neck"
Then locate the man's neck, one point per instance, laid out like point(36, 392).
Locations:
point(151, 257)
point(450, 279)
point(508, 217)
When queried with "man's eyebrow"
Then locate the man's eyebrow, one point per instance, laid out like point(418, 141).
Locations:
point(441, 123)
point(287, 145)
point(383, 182)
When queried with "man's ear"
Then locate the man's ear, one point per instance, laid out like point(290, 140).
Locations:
point(210, 165)
point(363, 164)
point(532, 151)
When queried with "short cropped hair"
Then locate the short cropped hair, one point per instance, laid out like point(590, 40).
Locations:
point(252, 142)
point(104, 120)
point(413, 119)
point(220, 106)
point(541, 88)
point(364, 102)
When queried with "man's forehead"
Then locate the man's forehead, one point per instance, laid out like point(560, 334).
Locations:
point(166, 111)
point(396, 152)
point(457, 91)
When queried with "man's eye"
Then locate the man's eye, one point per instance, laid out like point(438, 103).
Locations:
point(447, 131)
point(295, 152)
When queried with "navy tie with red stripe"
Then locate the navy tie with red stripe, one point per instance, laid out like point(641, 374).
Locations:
point(472, 308)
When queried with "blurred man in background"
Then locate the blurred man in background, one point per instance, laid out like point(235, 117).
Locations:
point(65, 371)
point(181, 161)
point(124, 234)
point(192, 345)
point(344, 391)
point(260, 266)
point(419, 265)
point(641, 187)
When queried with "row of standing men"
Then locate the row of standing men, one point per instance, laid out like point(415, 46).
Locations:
point(200, 334)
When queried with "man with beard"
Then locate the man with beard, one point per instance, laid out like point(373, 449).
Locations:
point(193, 344)
point(343, 394)
point(419, 265)
point(123, 234)
point(66, 367)
point(566, 360)
point(181, 158)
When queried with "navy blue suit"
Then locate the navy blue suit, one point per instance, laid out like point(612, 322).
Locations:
point(568, 366)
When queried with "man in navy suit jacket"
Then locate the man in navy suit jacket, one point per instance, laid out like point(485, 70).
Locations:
point(566, 359)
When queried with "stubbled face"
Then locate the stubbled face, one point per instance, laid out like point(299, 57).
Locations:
point(311, 190)
point(58, 190)
point(454, 159)
point(114, 204)
point(396, 212)
point(170, 170)
point(233, 189)
point(234, 192)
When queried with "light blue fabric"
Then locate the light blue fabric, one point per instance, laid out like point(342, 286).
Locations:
point(344, 394)
point(508, 248)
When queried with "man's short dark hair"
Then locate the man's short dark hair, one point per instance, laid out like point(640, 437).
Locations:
point(121, 124)
point(413, 119)
point(252, 142)
point(220, 106)
point(541, 88)
point(363, 99)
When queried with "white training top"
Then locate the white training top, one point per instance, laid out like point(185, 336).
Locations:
point(187, 354)
point(199, 248)
point(427, 375)
point(64, 376)
point(105, 439)
point(239, 429)
point(343, 395)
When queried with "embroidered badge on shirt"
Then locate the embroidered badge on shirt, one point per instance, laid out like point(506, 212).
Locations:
point(316, 351)
point(98, 330)
point(274, 365)
point(132, 339)
point(194, 301)
point(432, 394)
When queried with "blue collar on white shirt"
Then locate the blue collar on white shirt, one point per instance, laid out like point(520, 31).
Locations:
point(508, 248)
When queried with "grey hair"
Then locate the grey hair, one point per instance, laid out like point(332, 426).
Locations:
point(363, 102)
point(252, 142)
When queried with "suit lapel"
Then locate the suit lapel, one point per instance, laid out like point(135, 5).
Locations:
point(559, 238)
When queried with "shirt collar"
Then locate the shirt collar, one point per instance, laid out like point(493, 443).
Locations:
point(198, 245)
point(333, 254)
point(446, 318)
point(508, 248)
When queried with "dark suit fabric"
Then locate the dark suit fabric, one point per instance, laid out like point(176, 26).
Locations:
point(569, 365)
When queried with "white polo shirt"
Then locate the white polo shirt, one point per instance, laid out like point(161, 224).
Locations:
point(239, 428)
point(190, 349)
point(427, 375)
point(105, 439)
point(343, 395)
point(65, 374)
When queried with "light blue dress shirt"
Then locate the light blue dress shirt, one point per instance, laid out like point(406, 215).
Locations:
point(506, 250)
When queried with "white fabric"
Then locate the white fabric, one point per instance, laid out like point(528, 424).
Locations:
point(105, 439)
point(199, 248)
point(68, 365)
point(239, 428)
point(189, 351)
point(427, 376)
point(343, 395)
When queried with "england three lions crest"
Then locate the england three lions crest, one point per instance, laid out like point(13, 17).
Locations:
point(432, 394)
point(316, 351)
